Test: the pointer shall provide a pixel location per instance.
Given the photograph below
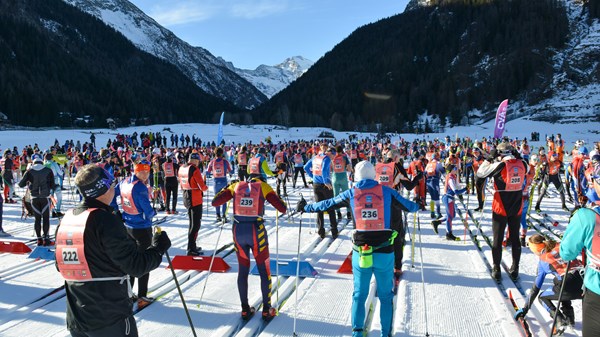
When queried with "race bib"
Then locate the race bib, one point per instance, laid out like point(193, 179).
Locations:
point(69, 256)
point(246, 202)
point(369, 214)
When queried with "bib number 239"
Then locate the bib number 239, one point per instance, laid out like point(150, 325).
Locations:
point(246, 202)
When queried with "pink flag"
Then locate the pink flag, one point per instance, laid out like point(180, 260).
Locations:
point(500, 119)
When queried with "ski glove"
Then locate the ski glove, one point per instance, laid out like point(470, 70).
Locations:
point(161, 242)
point(521, 313)
point(300, 206)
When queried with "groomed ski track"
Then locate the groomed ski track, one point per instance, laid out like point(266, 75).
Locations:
point(462, 299)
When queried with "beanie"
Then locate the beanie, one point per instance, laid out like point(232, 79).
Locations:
point(364, 170)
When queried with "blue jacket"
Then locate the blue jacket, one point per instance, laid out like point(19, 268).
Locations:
point(578, 235)
point(142, 203)
point(325, 177)
point(348, 195)
point(543, 270)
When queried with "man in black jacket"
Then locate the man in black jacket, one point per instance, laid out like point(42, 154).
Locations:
point(96, 256)
point(41, 181)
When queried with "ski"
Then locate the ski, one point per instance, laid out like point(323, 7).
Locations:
point(521, 320)
point(159, 221)
point(136, 309)
point(542, 221)
point(52, 292)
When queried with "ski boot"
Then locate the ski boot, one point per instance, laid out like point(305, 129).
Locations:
point(219, 219)
point(522, 241)
point(40, 242)
point(334, 232)
point(565, 208)
point(338, 214)
point(349, 216)
point(451, 237)
point(436, 224)
point(321, 232)
point(269, 314)
point(537, 209)
point(561, 323)
point(433, 215)
point(247, 312)
point(47, 241)
point(569, 313)
point(496, 273)
point(144, 301)
point(513, 272)
point(195, 252)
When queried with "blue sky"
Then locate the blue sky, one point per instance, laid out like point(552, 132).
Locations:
point(253, 32)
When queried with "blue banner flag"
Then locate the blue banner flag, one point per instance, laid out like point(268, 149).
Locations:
point(220, 133)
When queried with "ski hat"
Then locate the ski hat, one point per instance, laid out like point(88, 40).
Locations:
point(195, 155)
point(36, 158)
point(504, 149)
point(143, 165)
point(364, 170)
point(103, 182)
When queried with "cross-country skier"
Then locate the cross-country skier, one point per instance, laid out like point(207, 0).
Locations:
point(551, 263)
point(583, 231)
point(374, 209)
point(219, 168)
point(451, 189)
point(249, 233)
point(318, 168)
point(193, 186)
point(137, 216)
point(433, 174)
point(41, 181)
point(509, 176)
point(95, 256)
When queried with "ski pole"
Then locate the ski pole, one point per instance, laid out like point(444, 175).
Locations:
point(422, 276)
point(412, 243)
point(297, 275)
point(277, 255)
point(562, 287)
point(212, 260)
point(187, 313)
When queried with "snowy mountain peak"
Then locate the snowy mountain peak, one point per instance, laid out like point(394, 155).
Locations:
point(272, 79)
point(207, 71)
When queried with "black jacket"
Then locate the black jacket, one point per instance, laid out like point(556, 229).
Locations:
point(40, 179)
point(110, 252)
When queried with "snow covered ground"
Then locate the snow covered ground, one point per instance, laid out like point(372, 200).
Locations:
point(460, 297)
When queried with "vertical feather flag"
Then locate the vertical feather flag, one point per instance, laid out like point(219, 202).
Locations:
point(500, 119)
point(220, 133)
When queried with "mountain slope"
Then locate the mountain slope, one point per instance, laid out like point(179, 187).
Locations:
point(456, 61)
point(198, 64)
point(54, 58)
